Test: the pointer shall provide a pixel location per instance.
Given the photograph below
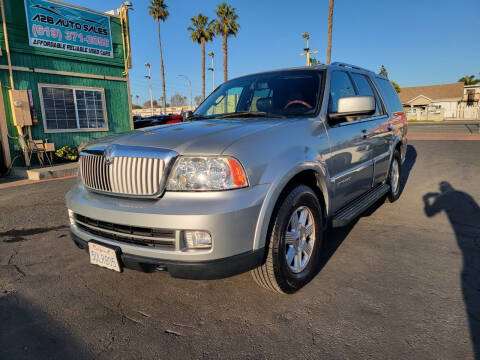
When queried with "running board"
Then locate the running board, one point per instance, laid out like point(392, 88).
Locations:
point(347, 214)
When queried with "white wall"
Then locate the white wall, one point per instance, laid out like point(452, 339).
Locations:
point(449, 106)
point(159, 111)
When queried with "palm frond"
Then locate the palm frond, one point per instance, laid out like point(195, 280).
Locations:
point(201, 29)
point(226, 22)
point(158, 10)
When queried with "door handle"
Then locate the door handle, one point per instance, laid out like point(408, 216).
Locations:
point(364, 133)
point(390, 127)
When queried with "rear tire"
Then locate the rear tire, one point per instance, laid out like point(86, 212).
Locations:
point(295, 240)
point(395, 177)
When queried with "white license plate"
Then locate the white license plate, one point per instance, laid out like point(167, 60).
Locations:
point(103, 256)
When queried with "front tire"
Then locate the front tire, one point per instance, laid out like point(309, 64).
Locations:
point(394, 177)
point(296, 234)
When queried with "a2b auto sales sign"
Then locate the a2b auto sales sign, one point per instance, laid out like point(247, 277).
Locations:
point(57, 26)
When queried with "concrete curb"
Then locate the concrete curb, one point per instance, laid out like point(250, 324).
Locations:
point(57, 171)
point(445, 123)
point(439, 137)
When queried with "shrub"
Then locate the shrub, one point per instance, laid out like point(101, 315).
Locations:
point(67, 153)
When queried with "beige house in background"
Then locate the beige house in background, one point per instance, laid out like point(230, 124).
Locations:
point(434, 102)
point(469, 108)
point(471, 94)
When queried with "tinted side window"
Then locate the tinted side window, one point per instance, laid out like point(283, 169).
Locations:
point(389, 95)
point(340, 86)
point(364, 87)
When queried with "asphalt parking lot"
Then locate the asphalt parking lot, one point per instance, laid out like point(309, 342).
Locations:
point(401, 282)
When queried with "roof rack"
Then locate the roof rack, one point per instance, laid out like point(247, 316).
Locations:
point(350, 66)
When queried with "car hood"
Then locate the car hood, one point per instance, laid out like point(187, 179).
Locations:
point(205, 137)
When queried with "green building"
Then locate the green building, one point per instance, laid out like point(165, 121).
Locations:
point(69, 67)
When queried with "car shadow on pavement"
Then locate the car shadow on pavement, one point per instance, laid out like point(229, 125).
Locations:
point(464, 215)
point(410, 159)
point(334, 237)
point(26, 332)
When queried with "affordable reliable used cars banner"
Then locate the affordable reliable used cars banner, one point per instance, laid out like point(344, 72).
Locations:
point(61, 27)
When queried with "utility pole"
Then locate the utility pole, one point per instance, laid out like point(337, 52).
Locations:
point(149, 77)
point(187, 79)
point(307, 52)
point(212, 69)
point(330, 24)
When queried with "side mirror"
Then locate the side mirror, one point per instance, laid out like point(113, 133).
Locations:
point(187, 115)
point(354, 106)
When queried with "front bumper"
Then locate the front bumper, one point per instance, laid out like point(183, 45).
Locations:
point(198, 270)
point(229, 216)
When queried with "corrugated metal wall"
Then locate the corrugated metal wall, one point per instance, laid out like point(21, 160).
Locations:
point(116, 93)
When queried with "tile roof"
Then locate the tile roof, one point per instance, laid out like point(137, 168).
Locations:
point(434, 92)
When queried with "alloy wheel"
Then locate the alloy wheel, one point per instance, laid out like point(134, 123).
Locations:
point(299, 239)
point(395, 176)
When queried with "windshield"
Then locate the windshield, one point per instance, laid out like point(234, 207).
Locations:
point(278, 94)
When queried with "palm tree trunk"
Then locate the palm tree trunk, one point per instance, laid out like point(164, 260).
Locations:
point(162, 69)
point(225, 58)
point(203, 69)
point(330, 23)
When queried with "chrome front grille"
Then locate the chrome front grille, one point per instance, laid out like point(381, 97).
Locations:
point(143, 236)
point(95, 172)
point(125, 175)
point(135, 176)
point(126, 170)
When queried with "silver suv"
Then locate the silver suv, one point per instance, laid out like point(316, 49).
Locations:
point(249, 181)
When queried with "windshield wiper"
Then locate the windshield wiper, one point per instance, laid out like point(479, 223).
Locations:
point(200, 117)
point(249, 114)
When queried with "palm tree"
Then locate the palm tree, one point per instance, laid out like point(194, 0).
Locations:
point(469, 80)
point(201, 32)
point(158, 10)
point(330, 24)
point(226, 25)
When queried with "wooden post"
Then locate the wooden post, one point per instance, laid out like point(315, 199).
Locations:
point(4, 131)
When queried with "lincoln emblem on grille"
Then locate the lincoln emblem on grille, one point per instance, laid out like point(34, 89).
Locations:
point(108, 154)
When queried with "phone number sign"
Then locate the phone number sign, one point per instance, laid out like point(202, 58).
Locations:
point(60, 27)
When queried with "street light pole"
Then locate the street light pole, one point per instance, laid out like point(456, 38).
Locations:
point(187, 79)
point(212, 69)
point(149, 77)
point(307, 52)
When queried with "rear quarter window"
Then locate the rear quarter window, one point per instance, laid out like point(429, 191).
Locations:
point(389, 95)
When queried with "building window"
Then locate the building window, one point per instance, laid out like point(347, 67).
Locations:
point(73, 109)
point(470, 97)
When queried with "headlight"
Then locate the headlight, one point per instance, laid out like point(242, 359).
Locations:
point(206, 173)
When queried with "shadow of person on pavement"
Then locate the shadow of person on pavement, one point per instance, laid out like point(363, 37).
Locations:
point(464, 216)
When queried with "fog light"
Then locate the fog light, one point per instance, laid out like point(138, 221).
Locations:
point(198, 240)
point(71, 217)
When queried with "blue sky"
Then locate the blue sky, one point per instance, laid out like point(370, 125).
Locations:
point(421, 42)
